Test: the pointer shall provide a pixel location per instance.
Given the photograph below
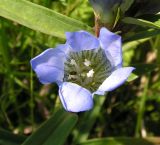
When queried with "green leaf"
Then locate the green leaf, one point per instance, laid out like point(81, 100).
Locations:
point(8, 138)
point(122, 141)
point(39, 18)
point(142, 69)
point(152, 18)
point(149, 6)
point(141, 22)
point(126, 4)
point(133, 44)
point(54, 131)
point(117, 18)
point(143, 34)
point(145, 68)
point(132, 77)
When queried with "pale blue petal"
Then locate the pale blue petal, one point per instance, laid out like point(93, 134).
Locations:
point(74, 97)
point(117, 78)
point(81, 41)
point(98, 93)
point(111, 43)
point(49, 65)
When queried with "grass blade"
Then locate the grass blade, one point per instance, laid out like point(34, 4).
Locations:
point(122, 141)
point(54, 131)
point(39, 18)
point(7, 138)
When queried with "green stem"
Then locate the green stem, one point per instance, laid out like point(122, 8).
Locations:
point(157, 47)
point(32, 96)
point(141, 109)
point(88, 120)
point(7, 119)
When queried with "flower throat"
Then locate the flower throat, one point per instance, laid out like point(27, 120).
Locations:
point(88, 68)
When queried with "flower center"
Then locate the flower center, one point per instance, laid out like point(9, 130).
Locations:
point(88, 68)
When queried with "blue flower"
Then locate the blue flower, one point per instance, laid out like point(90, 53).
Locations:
point(83, 66)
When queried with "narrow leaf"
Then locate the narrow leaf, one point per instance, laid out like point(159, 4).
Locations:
point(145, 68)
point(142, 69)
point(143, 34)
point(8, 138)
point(54, 131)
point(140, 22)
point(122, 141)
point(126, 4)
point(132, 77)
point(152, 18)
point(133, 44)
point(39, 18)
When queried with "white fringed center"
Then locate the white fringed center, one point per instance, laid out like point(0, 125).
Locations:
point(88, 68)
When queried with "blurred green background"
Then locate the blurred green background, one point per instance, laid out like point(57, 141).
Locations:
point(132, 110)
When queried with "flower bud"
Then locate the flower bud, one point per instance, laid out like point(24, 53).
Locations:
point(108, 12)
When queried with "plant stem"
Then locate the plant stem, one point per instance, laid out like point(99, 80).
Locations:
point(31, 97)
point(141, 109)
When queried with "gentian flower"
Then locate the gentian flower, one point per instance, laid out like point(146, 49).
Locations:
point(83, 66)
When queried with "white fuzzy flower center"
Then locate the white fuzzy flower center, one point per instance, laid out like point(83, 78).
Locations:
point(88, 68)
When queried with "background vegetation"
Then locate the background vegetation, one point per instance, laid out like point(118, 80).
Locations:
point(133, 110)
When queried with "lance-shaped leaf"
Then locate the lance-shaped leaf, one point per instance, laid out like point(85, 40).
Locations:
point(122, 141)
point(141, 22)
point(147, 6)
point(8, 138)
point(54, 131)
point(39, 18)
